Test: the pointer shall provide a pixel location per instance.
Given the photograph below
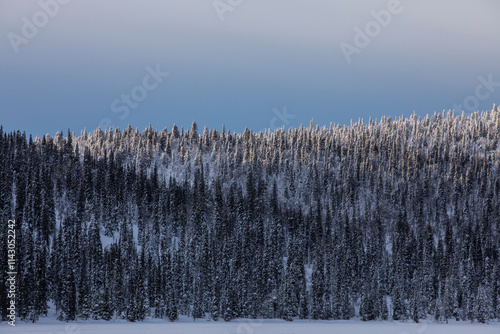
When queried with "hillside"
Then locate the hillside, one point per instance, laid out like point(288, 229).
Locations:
point(395, 219)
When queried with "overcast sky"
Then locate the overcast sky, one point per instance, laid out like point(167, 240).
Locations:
point(246, 63)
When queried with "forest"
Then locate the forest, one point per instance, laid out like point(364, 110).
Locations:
point(394, 219)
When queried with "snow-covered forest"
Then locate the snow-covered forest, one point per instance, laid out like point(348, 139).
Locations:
point(394, 219)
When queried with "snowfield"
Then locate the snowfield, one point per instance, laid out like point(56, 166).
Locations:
point(243, 326)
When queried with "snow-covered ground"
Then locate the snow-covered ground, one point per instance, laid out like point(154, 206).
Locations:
point(187, 326)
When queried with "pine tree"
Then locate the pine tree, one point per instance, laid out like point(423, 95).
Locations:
point(399, 312)
point(231, 311)
point(482, 308)
point(170, 298)
point(106, 306)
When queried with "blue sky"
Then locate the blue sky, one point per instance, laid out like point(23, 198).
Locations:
point(256, 64)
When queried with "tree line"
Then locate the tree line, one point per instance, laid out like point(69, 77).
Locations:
point(391, 219)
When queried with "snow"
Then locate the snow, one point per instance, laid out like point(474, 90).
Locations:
point(107, 241)
point(309, 269)
point(175, 243)
point(187, 326)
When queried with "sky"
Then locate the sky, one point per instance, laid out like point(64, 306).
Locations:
point(257, 64)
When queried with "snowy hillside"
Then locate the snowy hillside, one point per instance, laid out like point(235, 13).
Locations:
point(390, 220)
